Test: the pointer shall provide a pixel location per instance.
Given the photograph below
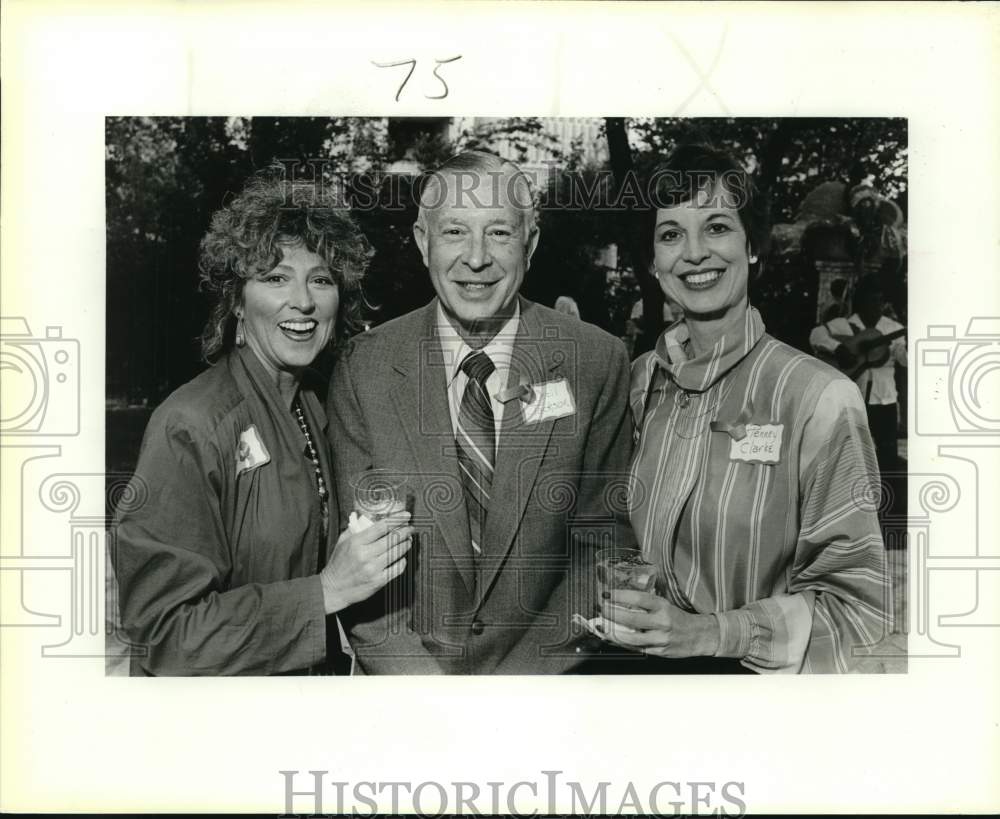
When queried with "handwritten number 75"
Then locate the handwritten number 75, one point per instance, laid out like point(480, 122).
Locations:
point(412, 63)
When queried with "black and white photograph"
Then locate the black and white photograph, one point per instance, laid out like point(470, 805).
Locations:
point(436, 329)
point(520, 407)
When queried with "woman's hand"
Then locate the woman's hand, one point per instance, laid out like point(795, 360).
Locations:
point(364, 562)
point(657, 627)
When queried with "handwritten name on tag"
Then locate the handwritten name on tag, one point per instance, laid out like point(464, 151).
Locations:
point(251, 452)
point(552, 399)
point(761, 444)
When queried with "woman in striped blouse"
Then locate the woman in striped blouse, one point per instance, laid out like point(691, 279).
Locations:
point(753, 477)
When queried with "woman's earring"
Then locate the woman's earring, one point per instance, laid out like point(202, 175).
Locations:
point(753, 260)
point(241, 338)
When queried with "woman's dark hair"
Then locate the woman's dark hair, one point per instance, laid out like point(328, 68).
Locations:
point(694, 168)
point(246, 238)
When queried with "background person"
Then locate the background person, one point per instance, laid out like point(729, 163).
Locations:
point(672, 312)
point(837, 306)
point(568, 306)
point(877, 383)
point(230, 567)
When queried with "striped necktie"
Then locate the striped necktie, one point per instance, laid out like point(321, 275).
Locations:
point(476, 436)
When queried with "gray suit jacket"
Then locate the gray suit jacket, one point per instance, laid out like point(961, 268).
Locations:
point(558, 495)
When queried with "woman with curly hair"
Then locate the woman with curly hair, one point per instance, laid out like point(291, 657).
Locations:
point(230, 566)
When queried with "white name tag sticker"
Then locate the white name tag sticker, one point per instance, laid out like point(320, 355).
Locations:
point(552, 399)
point(251, 452)
point(761, 444)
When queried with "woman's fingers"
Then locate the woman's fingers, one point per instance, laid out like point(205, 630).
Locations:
point(635, 599)
point(627, 637)
point(381, 528)
point(627, 617)
point(391, 540)
point(397, 551)
point(393, 571)
point(389, 551)
point(614, 633)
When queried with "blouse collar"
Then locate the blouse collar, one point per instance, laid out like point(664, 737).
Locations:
point(674, 354)
point(253, 378)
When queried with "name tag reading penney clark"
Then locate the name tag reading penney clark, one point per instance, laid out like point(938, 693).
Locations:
point(761, 444)
point(552, 399)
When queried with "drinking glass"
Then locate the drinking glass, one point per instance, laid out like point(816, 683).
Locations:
point(380, 492)
point(624, 569)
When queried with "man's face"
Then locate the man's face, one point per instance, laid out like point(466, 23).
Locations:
point(869, 306)
point(475, 247)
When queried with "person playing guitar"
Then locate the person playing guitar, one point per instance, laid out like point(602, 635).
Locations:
point(859, 350)
point(868, 346)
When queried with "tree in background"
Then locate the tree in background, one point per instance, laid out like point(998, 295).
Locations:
point(166, 176)
point(790, 156)
point(163, 179)
point(397, 281)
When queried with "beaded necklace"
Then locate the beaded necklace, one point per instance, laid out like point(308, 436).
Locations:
point(314, 457)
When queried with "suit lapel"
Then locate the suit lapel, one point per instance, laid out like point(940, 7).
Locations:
point(522, 446)
point(421, 402)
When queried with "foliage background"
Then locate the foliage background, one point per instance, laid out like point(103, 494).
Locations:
point(166, 176)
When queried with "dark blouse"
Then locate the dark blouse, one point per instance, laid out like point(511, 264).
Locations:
point(217, 555)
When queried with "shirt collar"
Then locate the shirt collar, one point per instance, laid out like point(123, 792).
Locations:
point(251, 376)
point(855, 319)
point(697, 373)
point(454, 349)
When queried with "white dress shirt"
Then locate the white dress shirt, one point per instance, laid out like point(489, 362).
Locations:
point(882, 379)
point(500, 349)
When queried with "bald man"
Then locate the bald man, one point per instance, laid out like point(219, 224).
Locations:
point(510, 423)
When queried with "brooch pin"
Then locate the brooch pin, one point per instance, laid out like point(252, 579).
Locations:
point(738, 429)
point(523, 390)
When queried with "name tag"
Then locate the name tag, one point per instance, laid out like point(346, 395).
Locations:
point(251, 452)
point(761, 444)
point(552, 399)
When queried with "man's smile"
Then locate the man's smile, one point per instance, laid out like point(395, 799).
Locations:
point(473, 287)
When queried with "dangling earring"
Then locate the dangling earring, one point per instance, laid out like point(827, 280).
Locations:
point(753, 260)
point(241, 338)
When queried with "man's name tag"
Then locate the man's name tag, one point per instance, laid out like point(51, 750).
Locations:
point(552, 399)
point(761, 444)
point(251, 452)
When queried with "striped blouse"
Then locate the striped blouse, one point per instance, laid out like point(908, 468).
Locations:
point(754, 487)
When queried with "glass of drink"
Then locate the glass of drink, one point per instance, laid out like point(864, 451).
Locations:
point(625, 569)
point(379, 493)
